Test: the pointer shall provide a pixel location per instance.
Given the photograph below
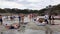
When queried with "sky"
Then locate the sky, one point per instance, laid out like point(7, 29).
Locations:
point(27, 4)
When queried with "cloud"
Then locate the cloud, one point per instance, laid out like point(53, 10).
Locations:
point(55, 2)
point(7, 0)
point(6, 4)
point(27, 4)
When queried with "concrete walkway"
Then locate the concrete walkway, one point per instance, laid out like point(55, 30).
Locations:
point(32, 28)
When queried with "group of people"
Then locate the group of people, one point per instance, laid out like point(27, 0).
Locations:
point(49, 19)
point(24, 19)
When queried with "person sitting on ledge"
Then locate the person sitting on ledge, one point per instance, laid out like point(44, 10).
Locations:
point(40, 22)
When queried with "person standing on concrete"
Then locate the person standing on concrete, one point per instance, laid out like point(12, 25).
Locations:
point(31, 16)
point(22, 18)
point(1, 19)
point(46, 17)
point(19, 17)
point(52, 17)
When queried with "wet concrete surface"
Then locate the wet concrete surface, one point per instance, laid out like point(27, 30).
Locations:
point(32, 28)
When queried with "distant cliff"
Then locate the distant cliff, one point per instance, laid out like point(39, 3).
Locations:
point(53, 10)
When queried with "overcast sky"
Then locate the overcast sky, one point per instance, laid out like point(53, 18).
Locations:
point(27, 4)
